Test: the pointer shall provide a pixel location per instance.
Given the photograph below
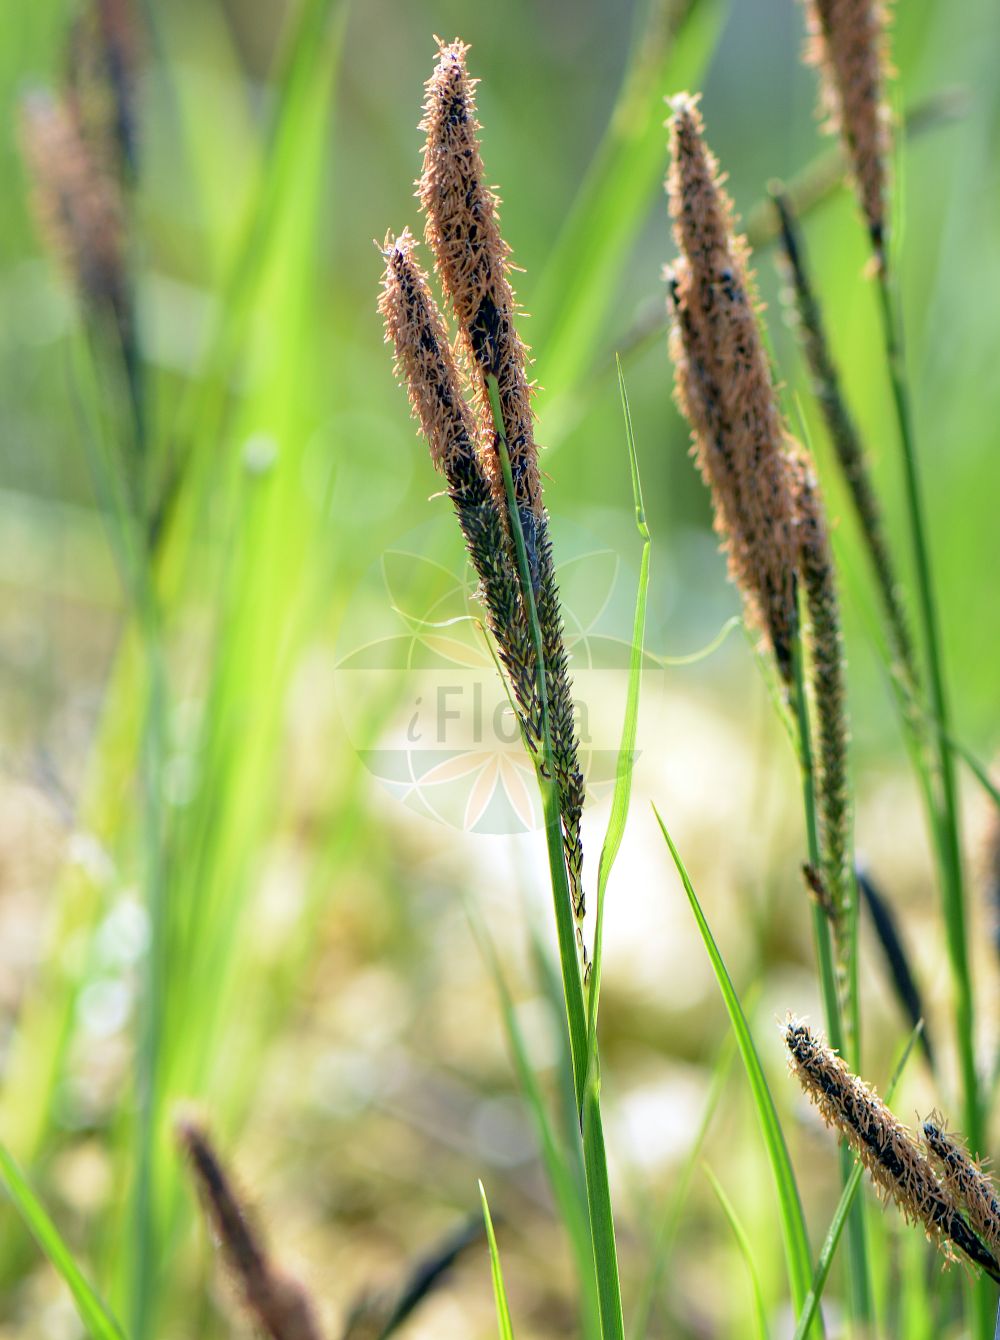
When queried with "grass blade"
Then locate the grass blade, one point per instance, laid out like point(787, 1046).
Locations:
point(571, 305)
point(843, 1209)
point(793, 1225)
point(93, 1313)
point(504, 1325)
point(743, 1242)
point(626, 750)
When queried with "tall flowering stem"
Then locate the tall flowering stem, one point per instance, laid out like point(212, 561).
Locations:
point(848, 43)
point(472, 260)
point(767, 513)
point(489, 460)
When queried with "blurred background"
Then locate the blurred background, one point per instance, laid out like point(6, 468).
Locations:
point(304, 871)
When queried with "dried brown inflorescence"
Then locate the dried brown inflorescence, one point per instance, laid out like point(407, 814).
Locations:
point(279, 1306)
point(78, 206)
point(847, 41)
point(473, 264)
point(425, 365)
point(724, 386)
point(101, 79)
point(965, 1179)
point(826, 651)
point(896, 1163)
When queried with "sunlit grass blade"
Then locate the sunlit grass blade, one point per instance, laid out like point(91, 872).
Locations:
point(836, 1228)
point(743, 1242)
point(793, 1225)
point(626, 749)
point(93, 1312)
point(504, 1325)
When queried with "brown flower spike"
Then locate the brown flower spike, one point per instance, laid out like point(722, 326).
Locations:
point(827, 665)
point(279, 1306)
point(78, 206)
point(425, 365)
point(472, 262)
point(847, 42)
point(965, 1179)
point(895, 1161)
point(724, 386)
point(472, 258)
point(101, 82)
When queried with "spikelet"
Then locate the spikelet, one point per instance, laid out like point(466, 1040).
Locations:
point(472, 261)
point(77, 205)
point(847, 41)
point(827, 678)
point(895, 1161)
point(846, 440)
point(724, 387)
point(965, 1179)
point(425, 365)
point(279, 1306)
point(101, 76)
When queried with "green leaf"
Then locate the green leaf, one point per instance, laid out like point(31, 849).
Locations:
point(793, 1225)
point(626, 749)
point(743, 1242)
point(620, 188)
point(504, 1325)
point(93, 1312)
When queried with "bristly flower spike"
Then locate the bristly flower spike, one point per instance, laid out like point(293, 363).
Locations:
point(724, 387)
point(965, 1179)
point(896, 1163)
point(426, 366)
point(279, 1306)
point(78, 207)
point(473, 264)
point(847, 41)
point(827, 677)
point(101, 78)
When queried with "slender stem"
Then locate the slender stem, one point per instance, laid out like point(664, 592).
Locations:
point(576, 1016)
point(946, 830)
point(586, 1066)
point(860, 1281)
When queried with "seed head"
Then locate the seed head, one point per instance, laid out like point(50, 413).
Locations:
point(101, 76)
point(847, 41)
point(278, 1305)
point(827, 677)
point(965, 1179)
point(472, 264)
point(897, 1165)
point(77, 205)
point(426, 367)
point(472, 259)
point(724, 386)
